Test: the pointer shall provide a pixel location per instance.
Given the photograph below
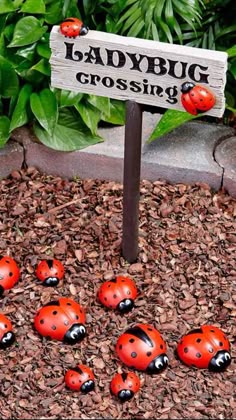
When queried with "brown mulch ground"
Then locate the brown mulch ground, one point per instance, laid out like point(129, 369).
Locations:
point(186, 275)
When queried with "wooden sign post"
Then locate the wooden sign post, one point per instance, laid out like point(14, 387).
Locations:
point(140, 72)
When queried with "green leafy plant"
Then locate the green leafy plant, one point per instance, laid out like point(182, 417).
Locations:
point(60, 119)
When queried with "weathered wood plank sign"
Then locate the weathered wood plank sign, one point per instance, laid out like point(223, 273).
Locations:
point(144, 71)
point(140, 72)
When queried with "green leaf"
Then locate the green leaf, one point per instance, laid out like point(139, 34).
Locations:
point(90, 115)
point(4, 130)
point(9, 83)
point(169, 121)
point(69, 134)
point(44, 107)
point(43, 67)
point(6, 6)
point(69, 98)
point(117, 113)
point(43, 50)
point(27, 52)
point(20, 116)
point(54, 13)
point(27, 31)
point(231, 51)
point(33, 7)
point(101, 103)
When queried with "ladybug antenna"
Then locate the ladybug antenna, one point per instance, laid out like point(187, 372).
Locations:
point(186, 87)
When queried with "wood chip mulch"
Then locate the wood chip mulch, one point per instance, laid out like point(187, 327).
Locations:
point(185, 273)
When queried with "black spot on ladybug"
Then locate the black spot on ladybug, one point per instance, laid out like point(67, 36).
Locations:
point(149, 329)
point(114, 296)
point(120, 346)
point(210, 350)
point(212, 331)
point(41, 321)
point(50, 264)
point(161, 346)
point(54, 313)
point(128, 292)
point(108, 285)
point(5, 325)
point(149, 353)
point(53, 303)
point(133, 354)
point(105, 298)
point(7, 261)
point(139, 333)
point(198, 340)
point(124, 376)
point(54, 327)
point(68, 304)
point(73, 382)
point(132, 340)
point(195, 331)
point(10, 274)
point(220, 343)
point(198, 355)
point(76, 317)
point(186, 350)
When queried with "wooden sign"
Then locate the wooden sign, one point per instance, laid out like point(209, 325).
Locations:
point(126, 68)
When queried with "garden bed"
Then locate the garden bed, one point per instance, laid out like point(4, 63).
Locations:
point(185, 274)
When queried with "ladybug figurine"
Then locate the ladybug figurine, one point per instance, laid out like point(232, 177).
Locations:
point(9, 273)
point(50, 272)
point(80, 378)
point(141, 347)
point(125, 385)
point(7, 336)
point(119, 294)
point(196, 99)
point(205, 347)
point(62, 320)
point(73, 27)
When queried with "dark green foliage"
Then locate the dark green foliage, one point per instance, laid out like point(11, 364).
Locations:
point(61, 120)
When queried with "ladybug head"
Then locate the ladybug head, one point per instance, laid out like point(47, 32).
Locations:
point(125, 305)
point(51, 281)
point(75, 334)
point(87, 386)
point(84, 30)
point(125, 395)
point(186, 87)
point(220, 361)
point(7, 340)
point(158, 364)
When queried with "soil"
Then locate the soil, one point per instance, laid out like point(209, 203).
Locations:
point(185, 274)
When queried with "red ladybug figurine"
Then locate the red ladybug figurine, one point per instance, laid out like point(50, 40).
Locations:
point(73, 27)
point(62, 320)
point(196, 99)
point(125, 385)
point(80, 378)
point(205, 347)
point(50, 272)
point(141, 347)
point(119, 294)
point(7, 336)
point(9, 273)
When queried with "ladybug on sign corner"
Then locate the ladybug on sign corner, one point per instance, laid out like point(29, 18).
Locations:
point(196, 98)
point(73, 27)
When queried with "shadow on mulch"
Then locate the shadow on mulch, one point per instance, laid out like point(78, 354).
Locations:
point(185, 273)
